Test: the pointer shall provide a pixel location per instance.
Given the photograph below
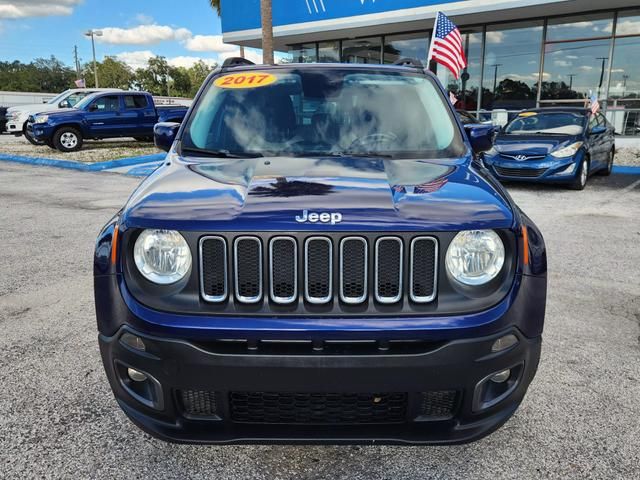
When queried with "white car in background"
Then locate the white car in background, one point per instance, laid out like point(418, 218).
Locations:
point(17, 116)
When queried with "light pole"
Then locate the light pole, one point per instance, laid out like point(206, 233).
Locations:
point(495, 76)
point(94, 33)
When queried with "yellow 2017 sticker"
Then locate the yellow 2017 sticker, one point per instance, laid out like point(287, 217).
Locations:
point(245, 80)
point(527, 114)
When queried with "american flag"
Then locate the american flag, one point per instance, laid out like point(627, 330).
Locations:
point(81, 83)
point(446, 45)
point(594, 104)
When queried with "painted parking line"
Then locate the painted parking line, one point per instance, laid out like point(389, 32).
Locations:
point(137, 166)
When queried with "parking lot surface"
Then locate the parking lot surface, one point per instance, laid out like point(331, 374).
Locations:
point(580, 418)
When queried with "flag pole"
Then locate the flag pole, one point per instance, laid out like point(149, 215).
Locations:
point(433, 36)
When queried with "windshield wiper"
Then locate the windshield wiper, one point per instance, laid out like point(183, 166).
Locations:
point(220, 153)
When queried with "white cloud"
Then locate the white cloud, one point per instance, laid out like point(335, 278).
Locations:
point(36, 8)
point(142, 35)
point(562, 63)
point(140, 59)
point(626, 27)
point(585, 68)
point(208, 43)
point(137, 59)
point(571, 57)
point(188, 61)
point(617, 70)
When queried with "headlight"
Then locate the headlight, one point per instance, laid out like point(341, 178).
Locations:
point(475, 257)
point(41, 119)
point(492, 152)
point(568, 151)
point(162, 256)
point(12, 115)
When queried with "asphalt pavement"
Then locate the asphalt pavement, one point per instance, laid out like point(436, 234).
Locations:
point(580, 419)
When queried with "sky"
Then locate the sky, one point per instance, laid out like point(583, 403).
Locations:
point(133, 30)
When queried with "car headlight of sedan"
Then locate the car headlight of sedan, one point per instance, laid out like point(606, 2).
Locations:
point(41, 119)
point(162, 256)
point(568, 151)
point(475, 257)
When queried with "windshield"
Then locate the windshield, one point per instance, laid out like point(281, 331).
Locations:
point(58, 98)
point(330, 111)
point(85, 101)
point(563, 123)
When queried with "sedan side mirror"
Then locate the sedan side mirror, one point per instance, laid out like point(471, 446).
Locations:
point(164, 134)
point(598, 129)
point(480, 136)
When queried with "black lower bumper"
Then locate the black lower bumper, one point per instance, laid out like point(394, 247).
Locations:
point(437, 393)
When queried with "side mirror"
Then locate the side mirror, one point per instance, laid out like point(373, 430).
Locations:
point(598, 129)
point(480, 136)
point(164, 134)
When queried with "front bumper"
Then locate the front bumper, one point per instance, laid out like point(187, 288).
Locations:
point(219, 372)
point(546, 170)
point(14, 127)
point(39, 131)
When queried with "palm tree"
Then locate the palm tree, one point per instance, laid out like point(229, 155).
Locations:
point(267, 31)
point(216, 5)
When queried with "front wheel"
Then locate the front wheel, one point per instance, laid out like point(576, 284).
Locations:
point(581, 177)
point(609, 168)
point(67, 139)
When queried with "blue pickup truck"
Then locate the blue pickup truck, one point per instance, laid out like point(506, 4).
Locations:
point(99, 116)
point(322, 257)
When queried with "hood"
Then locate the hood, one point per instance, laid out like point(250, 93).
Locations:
point(262, 194)
point(33, 108)
point(531, 144)
point(60, 112)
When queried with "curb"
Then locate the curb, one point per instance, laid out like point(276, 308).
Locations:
point(93, 167)
point(626, 170)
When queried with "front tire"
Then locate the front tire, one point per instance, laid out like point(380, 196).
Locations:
point(581, 176)
point(605, 172)
point(67, 139)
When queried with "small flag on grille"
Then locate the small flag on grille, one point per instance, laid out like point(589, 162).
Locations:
point(446, 45)
point(81, 83)
point(594, 104)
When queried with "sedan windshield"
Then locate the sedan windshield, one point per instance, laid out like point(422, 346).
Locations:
point(562, 123)
point(313, 111)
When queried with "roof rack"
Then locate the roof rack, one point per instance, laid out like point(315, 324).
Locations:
point(409, 62)
point(236, 62)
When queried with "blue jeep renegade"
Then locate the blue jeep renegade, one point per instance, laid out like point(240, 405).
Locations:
point(321, 259)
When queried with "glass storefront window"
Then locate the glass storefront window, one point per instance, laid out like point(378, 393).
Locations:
point(362, 50)
point(329, 52)
point(572, 70)
point(467, 86)
point(413, 45)
point(580, 27)
point(511, 65)
point(304, 53)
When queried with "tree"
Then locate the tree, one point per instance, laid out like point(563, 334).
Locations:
point(112, 72)
point(198, 73)
point(180, 81)
point(267, 31)
point(155, 78)
point(215, 4)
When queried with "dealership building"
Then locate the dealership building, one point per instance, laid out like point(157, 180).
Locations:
point(521, 53)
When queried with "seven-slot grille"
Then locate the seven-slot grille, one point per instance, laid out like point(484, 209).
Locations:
point(317, 268)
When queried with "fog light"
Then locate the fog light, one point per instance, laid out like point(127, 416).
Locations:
point(135, 375)
point(503, 343)
point(133, 341)
point(499, 377)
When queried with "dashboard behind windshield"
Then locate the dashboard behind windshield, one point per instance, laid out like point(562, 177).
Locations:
point(324, 111)
point(562, 123)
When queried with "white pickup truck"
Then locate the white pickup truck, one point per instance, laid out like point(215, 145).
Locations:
point(17, 116)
